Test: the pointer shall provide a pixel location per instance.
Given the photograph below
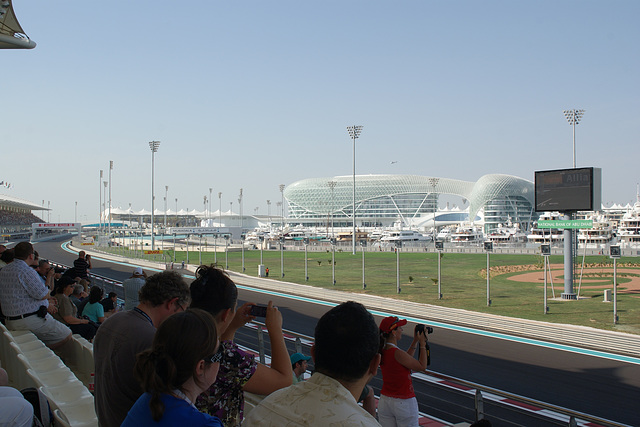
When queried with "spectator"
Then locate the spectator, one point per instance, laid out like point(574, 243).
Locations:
point(68, 312)
point(216, 293)
point(94, 310)
point(23, 296)
point(82, 265)
point(132, 286)
point(398, 404)
point(368, 400)
point(346, 356)
point(78, 295)
point(49, 277)
point(15, 410)
point(182, 362)
point(299, 366)
point(126, 334)
point(3, 248)
point(6, 257)
point(110, 303)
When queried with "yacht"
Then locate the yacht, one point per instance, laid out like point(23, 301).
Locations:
point(599, 236)
point(507, 233)
point(404, 236)
point(629, 228)
point(444, 234)
point(546, 235)
point(467, 233)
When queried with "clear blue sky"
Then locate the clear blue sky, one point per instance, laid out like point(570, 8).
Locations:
point(253, 94)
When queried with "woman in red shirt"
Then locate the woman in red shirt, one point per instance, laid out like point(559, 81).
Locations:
point(398, 405)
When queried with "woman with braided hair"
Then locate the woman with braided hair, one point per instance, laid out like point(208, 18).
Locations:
point(182, 362)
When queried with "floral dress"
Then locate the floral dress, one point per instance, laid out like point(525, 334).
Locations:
point(225, 398)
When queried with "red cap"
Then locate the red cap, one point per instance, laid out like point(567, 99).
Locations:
point(388, 324)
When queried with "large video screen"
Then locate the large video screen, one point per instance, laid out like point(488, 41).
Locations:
point(567, 190)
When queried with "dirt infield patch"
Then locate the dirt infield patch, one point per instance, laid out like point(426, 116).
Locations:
point(631, 285)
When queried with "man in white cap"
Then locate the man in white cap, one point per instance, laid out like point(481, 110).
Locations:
point(132, 286)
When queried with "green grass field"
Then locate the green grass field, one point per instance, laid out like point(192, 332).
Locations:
point(463, 285)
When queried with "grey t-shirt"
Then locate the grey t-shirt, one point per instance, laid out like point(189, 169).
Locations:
point(119, 339)
point(131, 288)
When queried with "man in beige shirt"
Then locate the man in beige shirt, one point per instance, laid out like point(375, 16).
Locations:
point(346, 357)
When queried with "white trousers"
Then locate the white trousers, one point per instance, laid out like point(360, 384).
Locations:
point(393, 412)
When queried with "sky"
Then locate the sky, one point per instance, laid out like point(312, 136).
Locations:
point(253, 94)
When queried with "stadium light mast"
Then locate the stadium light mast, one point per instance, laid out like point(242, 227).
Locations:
point(573, 117)
point(269, 213)
point(332, 186)
point(434, 182)
point(153, 145)
point(166, 193)
point(100, 207)
point(110, 169)
point(104, 206)
point(354, 133)
point(209, 217)
point(281, 187)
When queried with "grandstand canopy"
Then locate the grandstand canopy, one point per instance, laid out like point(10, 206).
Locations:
point(12, 36)
point(14, 202)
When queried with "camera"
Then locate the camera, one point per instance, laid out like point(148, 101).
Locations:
point(423, 329)
point(258, 311)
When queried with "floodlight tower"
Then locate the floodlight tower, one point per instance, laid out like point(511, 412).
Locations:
point(166, 194)
point(281, 187)
point(354, 133)
point(153, 145)
point(110, 169)
point(100, 210)
point(332, 186)
point(573, 117)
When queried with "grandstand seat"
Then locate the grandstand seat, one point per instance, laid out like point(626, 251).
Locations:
point(83, 418)
point(67, 394)
point(52, 379)
point(48, 364)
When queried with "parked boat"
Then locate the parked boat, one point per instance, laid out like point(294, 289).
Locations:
point(629, 228)
point(546, 235)
point(507, 233)
point(404, 236)
point(467, 233)
point(599, 236)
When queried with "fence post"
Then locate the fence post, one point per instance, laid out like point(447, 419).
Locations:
point(573, 422)
point(479, 406)
point(261, 345)
point(298, 345)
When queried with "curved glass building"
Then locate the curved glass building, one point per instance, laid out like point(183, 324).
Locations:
point(382, 200)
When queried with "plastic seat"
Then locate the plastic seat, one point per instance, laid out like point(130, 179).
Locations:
point(55, 378)
point(72, 392)
point(83, 415)
point(35, 354)
point(42, 365)
point(15, 369)
point(22, 337)
point(60, 419)
point(30, 345)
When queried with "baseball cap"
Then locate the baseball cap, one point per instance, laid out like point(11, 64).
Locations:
point(296, 357)
point(388, 324)
point(137, 271)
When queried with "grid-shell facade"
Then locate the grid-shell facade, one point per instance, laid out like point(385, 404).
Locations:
point(382, 199)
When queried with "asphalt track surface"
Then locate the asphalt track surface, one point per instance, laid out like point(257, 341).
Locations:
point(605, 388)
